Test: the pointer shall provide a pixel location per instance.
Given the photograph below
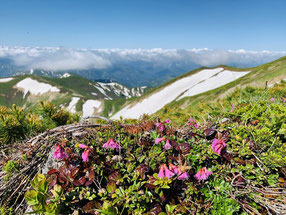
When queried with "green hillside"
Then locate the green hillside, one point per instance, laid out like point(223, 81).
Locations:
point(272, 72)
point(70, 87)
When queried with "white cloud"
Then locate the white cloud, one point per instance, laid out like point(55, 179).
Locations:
point(53, 58)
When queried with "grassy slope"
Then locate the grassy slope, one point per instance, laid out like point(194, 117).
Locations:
point(10, 95)
point(272, 72)
point(71, 86)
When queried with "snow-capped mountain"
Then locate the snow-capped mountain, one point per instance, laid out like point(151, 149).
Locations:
point(75, 93)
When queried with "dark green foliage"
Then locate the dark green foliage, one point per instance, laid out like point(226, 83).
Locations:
point(16, 123)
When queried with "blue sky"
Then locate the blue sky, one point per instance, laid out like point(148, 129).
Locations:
point(182, 24)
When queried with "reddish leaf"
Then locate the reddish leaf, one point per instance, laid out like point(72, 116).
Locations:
point(156, 210)
point(185, 148)
point(225, 136)
point(210, 133)
point(175, 145)
point(142, 169)
point(54, 181)
point(91, 175)
point(74, 172)
point(89, 182)
point(115, 176)
point(227, 156)
point(53, 171)
point(240, 161)
point(62, 179)
point(192, 134)
point(91, 206)
point(151, 181)
point(79, 182)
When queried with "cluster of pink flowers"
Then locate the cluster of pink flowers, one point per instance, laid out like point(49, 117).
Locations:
point(60, 153)
point(111, 144)
point(171, 171)
point(272, 100)
point(161, 125)
point(85, 154)
point(218, 145)
point(193, 123)
point(167, 145)
point(202, 174)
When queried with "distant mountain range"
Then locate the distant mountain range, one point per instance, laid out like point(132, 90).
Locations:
point(132, 75)
point(130, 67)
point(115, 100)
point(75, 93)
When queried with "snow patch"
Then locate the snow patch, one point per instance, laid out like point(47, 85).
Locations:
point(66, 75)
point(216, 81)
point(35, 87)
point(103, 92)
point(89, 107)
point(202, 81)
point(72, 104)
point(5, 79)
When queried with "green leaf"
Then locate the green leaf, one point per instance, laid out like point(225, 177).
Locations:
point(57, 191)
point(50, 209)
point(170, 208)
point(39, 183)
point(111, 187)
point(32, 197)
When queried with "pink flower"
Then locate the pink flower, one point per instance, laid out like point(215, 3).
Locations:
point(159, 140)
point(232, 106)
point(161, 172)
point(202, 174)
point(85, 155)
point(218, 145)
point(167, 120)
point(182, 176)
point(111, 144)
point(161, 125)
point(173, 168)
point(168, 173)
point(60, 153)
point(272, 100)
point(167, 145)
point(165, 172)
point(192, 122)
point(83, 146)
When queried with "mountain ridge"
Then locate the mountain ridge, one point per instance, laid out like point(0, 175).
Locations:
point(271, 72)
point(28, 90)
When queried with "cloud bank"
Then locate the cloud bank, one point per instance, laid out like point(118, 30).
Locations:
point(54, 58)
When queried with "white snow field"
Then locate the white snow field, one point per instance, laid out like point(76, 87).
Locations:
point(216, 81)
point(66, 75)
point(35, 87)
point(5, 79)
point(72, 104)
point(205, 80)
point(89, 107)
